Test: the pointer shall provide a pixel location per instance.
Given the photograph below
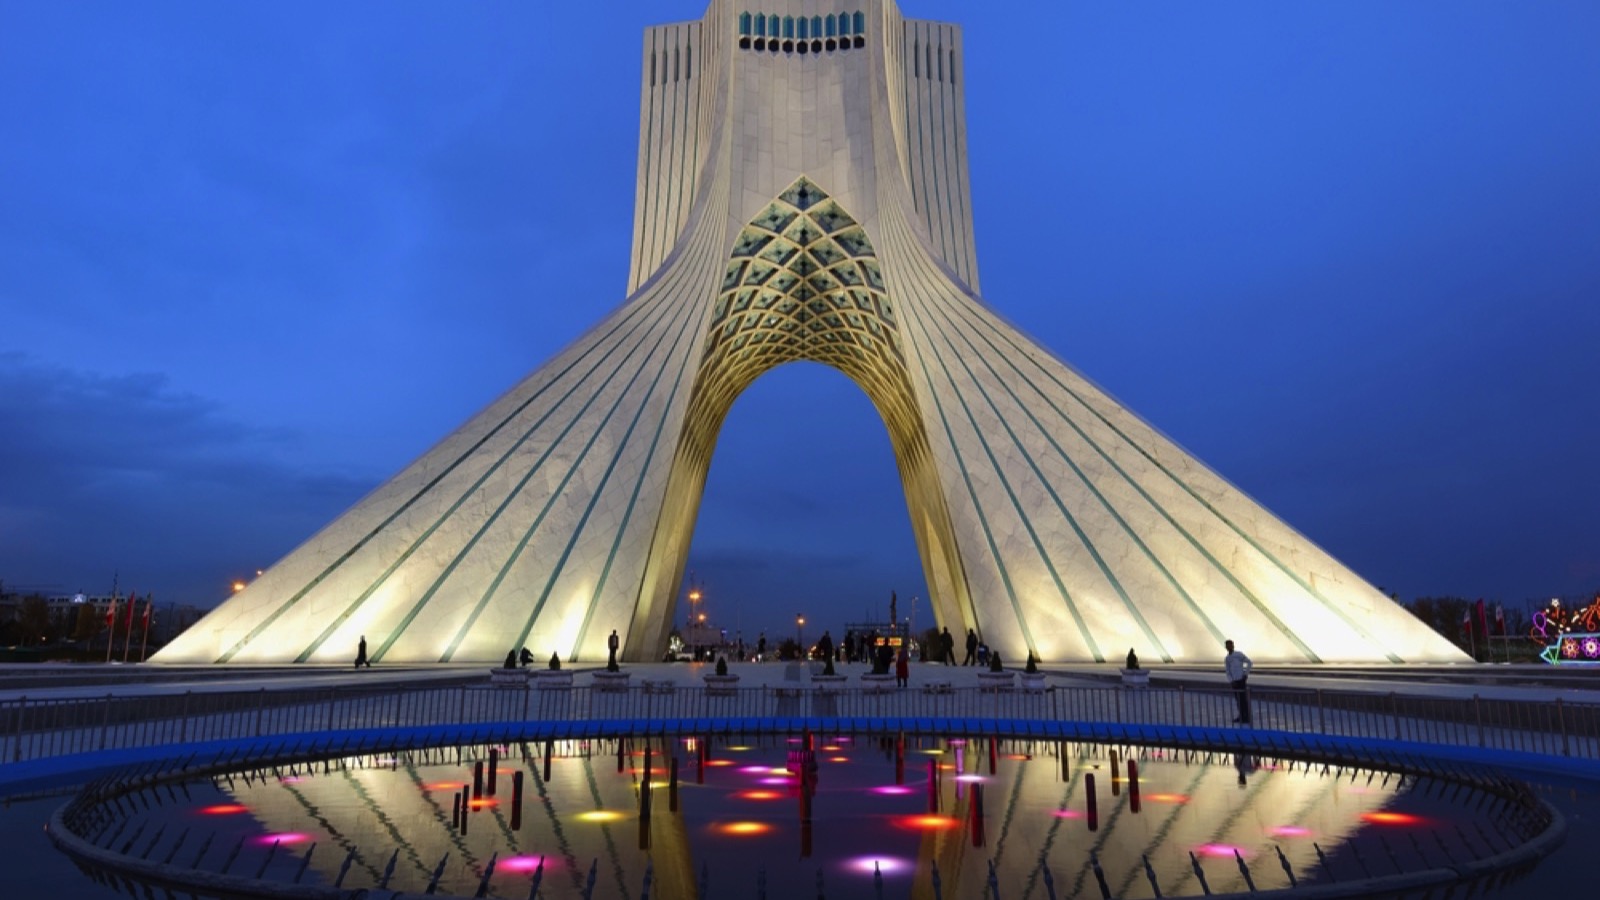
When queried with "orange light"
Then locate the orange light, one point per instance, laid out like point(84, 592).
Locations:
point(719, 762)
point(1167, 798)
point(483, 802)
point(838, 759)
point(238, 586)
point(1390, 818)
point(743, 829)
point(758, 795)
point(928, 822)
point(445, 785)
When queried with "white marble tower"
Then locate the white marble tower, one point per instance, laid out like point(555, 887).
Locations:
point(803, 195)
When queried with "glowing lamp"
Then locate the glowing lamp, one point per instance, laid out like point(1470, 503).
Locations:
point(224, 809)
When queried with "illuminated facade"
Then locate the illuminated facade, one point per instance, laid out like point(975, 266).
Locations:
point(803, 195)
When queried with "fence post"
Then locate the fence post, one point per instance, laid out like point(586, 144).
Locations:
point(1477, 712)
point(16, 751)
point(1561, 719)
point(1322, 714)
point(105, 723)
point(1394, 712)
point(183, 729)
point(261, 704)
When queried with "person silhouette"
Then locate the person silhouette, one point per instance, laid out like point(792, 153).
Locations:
point(361, 654)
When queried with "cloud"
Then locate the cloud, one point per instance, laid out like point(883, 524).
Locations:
point(120, 474)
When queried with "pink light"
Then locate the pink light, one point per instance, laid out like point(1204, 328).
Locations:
point(970, 778)
point(520, 864)
point(290, 779)
point(1289, 831)
point(285, 837)
point(773, 780)
point(1068, 814)
point(895, 789)
point(958, 742)
point(1222, 850)
point(753, 770)
point(866, 865)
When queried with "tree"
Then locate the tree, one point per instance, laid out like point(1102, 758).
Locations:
point(33, 622)
point(89, 623)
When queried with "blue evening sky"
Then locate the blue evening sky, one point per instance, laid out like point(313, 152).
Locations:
point(257, 256)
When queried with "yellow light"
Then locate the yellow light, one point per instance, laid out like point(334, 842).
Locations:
point(600, 815)
point(694, 596)
point(238, 586)
point(744, 829)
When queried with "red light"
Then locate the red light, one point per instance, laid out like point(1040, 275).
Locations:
point(445, 786)
point(224, 809)
point(483, 802)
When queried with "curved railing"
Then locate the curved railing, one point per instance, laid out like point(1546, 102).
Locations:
point(35, 729)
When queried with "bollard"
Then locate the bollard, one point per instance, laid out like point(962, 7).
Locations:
point(438, 872)
point(228, 863)
point(1245, 871)
point(388, 870)
point(1100, 875)
point(1287, 869)
point(1092, 801)
point(1150, 873)
point(494, 768)
point(455, 811)
point(305, 861)
point(1133, 785)
point(538, 876)
point(672, 784)
point(1326, 869)
point(977, 816)
point(477, 779)
point(1199, 874)
point(993, 752)
point(933, 787)
point(488, 873)
point(516, 800)
point(271, 851)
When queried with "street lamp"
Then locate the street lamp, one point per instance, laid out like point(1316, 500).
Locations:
point(800, 633)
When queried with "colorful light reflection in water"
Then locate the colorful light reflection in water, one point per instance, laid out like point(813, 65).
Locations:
point(736, 817)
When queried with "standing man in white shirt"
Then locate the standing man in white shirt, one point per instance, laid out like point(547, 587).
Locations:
point(1238, 667)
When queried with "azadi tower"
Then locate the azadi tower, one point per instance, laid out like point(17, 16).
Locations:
point(803, 194)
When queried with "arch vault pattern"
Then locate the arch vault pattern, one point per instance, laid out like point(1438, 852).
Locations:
point(806, 207)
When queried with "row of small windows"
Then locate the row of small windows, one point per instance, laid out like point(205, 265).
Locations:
point(671, 65)
point(823, 32)
point(928, 62)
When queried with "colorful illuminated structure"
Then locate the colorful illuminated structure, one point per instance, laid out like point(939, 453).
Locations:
point(803, 194)
point(1569, 637)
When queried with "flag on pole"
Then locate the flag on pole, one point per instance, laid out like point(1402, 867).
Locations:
point(1466, 620)
point(1500, 617)
point(111, 614)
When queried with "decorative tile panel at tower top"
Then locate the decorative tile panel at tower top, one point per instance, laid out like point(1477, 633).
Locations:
point(803, 195)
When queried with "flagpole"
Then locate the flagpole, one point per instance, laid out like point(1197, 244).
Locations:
point(127, 642)
point(111, 627)
point(144, 643)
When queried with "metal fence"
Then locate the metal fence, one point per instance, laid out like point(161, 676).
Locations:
point(40, 728)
